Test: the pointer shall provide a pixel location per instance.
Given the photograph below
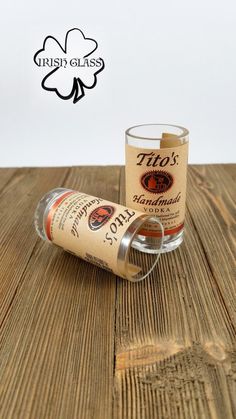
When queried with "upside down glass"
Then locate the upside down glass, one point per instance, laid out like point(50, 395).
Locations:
point(156, 174)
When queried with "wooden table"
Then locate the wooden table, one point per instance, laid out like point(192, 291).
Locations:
point(77, 342)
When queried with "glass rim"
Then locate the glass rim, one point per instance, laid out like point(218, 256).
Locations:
point(184, 132)
point(126, 243)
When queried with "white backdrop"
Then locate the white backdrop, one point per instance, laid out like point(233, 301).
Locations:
point(165, 61)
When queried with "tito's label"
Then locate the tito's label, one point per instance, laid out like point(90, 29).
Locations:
point(89, 227)
point(156, 184)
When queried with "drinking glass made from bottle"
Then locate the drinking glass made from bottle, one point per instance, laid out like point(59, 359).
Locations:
point(156, 174)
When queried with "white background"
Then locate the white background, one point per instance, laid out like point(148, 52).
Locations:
point(166, 61)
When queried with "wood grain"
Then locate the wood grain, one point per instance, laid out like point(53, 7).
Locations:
point(175, 331)
point(58, 341)
point(76, 342)
point(18, 201)
point(217, 220)
point(5, 177)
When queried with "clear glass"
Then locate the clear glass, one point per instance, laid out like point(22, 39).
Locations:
point(132, 263)
point(150, 136)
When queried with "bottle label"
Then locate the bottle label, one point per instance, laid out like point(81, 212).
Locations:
point(89, 227)
point(156, 184)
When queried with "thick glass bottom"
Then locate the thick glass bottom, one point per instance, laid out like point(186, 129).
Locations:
point(152, 244)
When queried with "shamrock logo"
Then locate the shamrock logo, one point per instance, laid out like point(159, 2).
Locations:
point(73, 68)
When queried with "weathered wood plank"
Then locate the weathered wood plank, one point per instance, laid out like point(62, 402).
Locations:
point(187, 385)
point(175, 332)
point(58, 343)
point(5, 177)
point(230, 169)
point(17, 240)
point(212, 204)
point(175, 354)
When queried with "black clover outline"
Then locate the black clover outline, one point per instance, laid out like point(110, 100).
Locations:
point(76, 80)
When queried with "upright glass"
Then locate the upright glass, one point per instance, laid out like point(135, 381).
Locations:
point(156, 175)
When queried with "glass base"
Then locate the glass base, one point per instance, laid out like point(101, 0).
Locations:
point(152, 244)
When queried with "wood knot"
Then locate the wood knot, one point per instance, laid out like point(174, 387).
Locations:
point(147, 354)
point(215, 350)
